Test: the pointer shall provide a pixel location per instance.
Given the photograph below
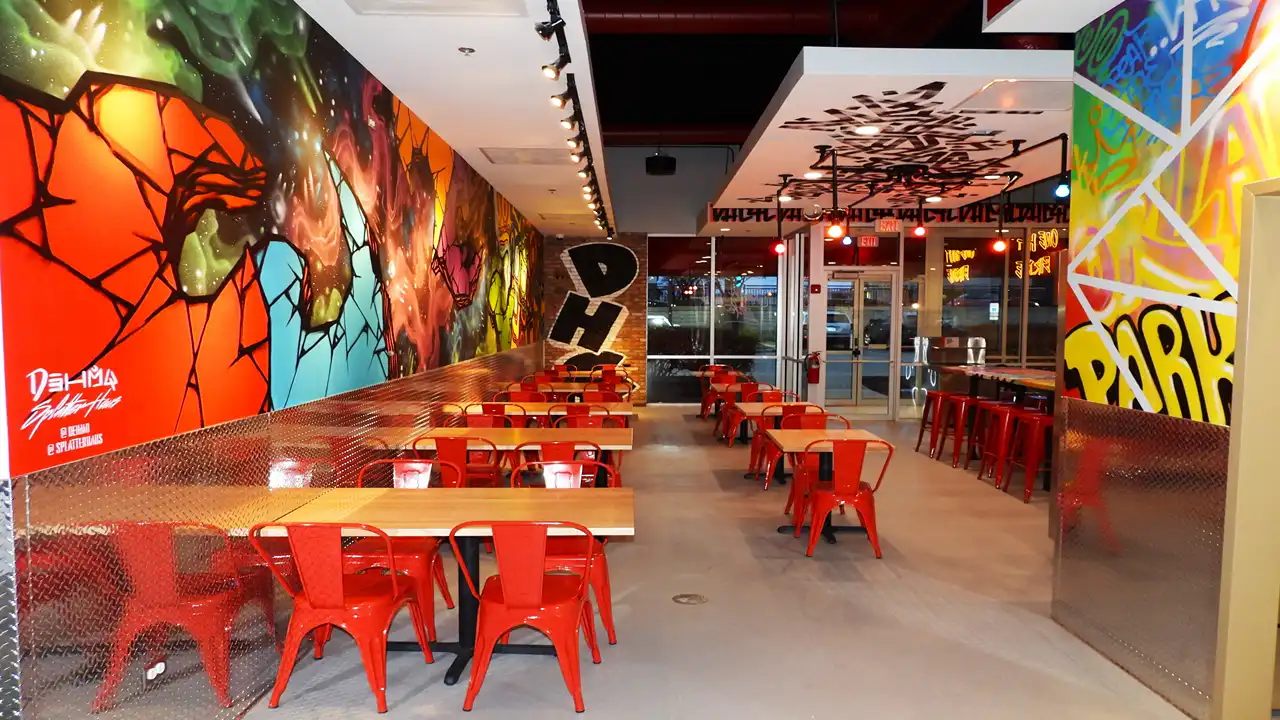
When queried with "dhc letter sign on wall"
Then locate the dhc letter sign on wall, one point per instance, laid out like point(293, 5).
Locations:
point(588, 320)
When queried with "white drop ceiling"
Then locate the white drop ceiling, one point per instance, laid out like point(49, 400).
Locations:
point(1046, 16)
point(950, 110)
point(493, 103)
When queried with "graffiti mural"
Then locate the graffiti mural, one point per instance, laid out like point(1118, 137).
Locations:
point(589, 321)
point(210, 210)
point(1175, 113)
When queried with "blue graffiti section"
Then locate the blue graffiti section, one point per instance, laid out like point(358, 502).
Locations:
point(349, 354)
point(1135, 52)
point(1222, 30)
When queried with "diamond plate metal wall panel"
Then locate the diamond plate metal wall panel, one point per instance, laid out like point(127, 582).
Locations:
point(11, 493)
point(107, 539)
point(1139, 551)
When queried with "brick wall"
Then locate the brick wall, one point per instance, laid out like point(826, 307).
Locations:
point(587, 279)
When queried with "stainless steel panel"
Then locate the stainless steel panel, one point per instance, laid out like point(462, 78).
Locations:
point(79, 574)
point(1139, 549)
point(10, 670)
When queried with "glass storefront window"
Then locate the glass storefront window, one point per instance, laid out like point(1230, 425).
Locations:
point(746, 301)
point(973, 289)
point(672, 380)
point(1045, 262)
point(679, 308)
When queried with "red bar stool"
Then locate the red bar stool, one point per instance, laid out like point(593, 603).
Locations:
point(1031, 431)
point(983, 417)
point(929, 418)
point(997, 440)
point(955, 418)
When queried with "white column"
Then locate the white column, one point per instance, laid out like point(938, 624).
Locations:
point(818, 308)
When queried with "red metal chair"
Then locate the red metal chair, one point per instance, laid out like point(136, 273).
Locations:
point(729, 414)
point(818, 498)
point(483, 466)
point(325, 597)
point(519, 396)
point(993, 430)
point(523, 593)
point(159, 597)
point(583, 415)
point(600, 396)
point(787, 414)
point(767, 396)
point(564, 553)
point(567, 451)
point(495, 415)
point(956, 412)
point(711, 397)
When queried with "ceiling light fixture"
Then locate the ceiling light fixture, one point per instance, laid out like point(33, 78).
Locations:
point(813, 175)
point(999, 246)
point(726, 229)
point(576, 141)
point(867, 130)
point(591, 205)
point(847, 240)
point(933, 199)
point(920, 230)
point(1063, 190)
point(992, 177)
point(779, 248)
point(784, 198)
point(585, 172)
point(552, 71)
point(547, 29)
point(576, 156)
point(570, 123)
point(570, 94)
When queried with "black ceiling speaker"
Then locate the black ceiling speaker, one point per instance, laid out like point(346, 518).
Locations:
point(660, 163)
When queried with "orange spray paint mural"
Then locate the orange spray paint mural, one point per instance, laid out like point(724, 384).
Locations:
point(1176, 110)
point(210, 210)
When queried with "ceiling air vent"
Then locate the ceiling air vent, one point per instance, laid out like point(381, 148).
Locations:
point(527, 156)
point(456, 8)
point(1023, 97)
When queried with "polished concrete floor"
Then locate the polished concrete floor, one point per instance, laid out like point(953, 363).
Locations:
point(952, 623)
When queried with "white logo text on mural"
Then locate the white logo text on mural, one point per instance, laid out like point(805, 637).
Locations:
point(93, 390)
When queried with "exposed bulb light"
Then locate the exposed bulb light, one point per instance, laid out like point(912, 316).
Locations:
point(588, 194)
point(552, 71)
point(920, 231)
point(933, 199)
point(835, 231)
point(726, 229)
point(576, 156)
point(999, 246)
point(813, 175)
point(779, 248)
point(991, 177)
point(867, 130)
point(575, 142)
point(585, 172)
point(570, 123)
point(784, 198)
point(591, 205)
point(586, 188)
point(847, 240)
point(547, 29)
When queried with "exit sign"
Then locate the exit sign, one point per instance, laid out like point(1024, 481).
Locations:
point(869, 241)
point(887, 225)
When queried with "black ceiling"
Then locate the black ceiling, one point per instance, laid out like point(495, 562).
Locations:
point(681, 72)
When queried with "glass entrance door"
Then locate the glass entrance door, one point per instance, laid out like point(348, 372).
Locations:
point(864, 338)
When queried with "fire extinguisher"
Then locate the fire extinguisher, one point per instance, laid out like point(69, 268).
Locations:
point(812, 366)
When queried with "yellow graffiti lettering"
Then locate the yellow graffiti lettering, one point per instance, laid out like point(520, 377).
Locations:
point(1165, 339)
point(1180, 359)
point(1135, 359)
point(958, 274)
point(955, 256)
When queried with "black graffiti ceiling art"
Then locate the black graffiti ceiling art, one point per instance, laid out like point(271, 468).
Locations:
point(915, 129)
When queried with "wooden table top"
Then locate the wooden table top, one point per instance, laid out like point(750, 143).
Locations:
point(1033, 378)
point(436, 511)
point(232, 508)
point(509, 438)
point(756, 409)
point(544, 408)
point(589, 373)
point(575, 387)
point(737, 387)
point(795, 441)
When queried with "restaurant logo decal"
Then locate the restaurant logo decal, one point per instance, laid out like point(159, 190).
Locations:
point(589, 319)
point(978, 214)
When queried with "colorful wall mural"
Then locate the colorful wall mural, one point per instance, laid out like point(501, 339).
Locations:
point(209, 209)
point(1176, 110)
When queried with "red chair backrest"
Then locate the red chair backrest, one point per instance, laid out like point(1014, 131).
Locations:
point(606, 367)
point(712, 368)
point(488, 421)
point(847, 459)
point(723, 378)
point(564, 474)
point(587, 416)
point(414, 473)
point(149, 558)
point(768, 396)
point(316, 550)
point(518, 396)
point(569, 409)
point(561, 368)
point(600, 396)
point(811, 421)
point(556, 451)
point(521, 552)
point(457, 451)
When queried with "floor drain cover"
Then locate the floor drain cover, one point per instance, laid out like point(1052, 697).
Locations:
point(689, 599)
